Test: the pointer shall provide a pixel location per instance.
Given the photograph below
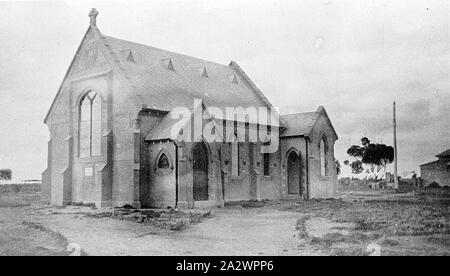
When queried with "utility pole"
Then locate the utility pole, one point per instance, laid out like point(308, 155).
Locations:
point(395, 151)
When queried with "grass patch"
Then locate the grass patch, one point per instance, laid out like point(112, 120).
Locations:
point(424, 214)
point(5, 203)
point(443, 240)
point(331, 239)
point(19, 199)
point(390, 242)
point(348, 251)
point(31, 239)
point(301, 226)
point(39, 227)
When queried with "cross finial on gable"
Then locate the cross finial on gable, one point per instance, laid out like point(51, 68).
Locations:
point(93, 15)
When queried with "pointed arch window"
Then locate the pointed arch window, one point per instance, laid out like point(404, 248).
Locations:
point(266, 164)
point(266, 160)
point(90, 125)
point(323, 157)
point(235, 156)
point(163, 162)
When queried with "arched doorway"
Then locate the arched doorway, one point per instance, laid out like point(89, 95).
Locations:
point(294, 173)
point(200, 168)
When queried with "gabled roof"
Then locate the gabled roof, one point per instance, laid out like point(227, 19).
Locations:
point(90, 28)
point(445, 154)
point(166, 89)
point(147, 71)
point(302, 124)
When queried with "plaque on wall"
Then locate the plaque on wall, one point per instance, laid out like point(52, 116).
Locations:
point(88, 171)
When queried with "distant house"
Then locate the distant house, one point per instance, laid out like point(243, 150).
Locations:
point(437, 171)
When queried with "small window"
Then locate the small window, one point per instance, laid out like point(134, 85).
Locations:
point(266, 162)
point(168, 64)
point(163, 162)
point(127, 55)
point(203, 72)
point(232, 79)
point(235, 156)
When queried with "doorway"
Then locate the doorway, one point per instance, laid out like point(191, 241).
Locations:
point(200, 168)
point(294, 173)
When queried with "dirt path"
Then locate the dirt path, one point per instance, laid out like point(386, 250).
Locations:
point(230, 231)
point(258, 231)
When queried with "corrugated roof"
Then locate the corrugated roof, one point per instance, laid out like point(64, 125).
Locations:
point(166, 89)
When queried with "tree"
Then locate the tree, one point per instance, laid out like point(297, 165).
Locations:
point(357, 167)
point(356, 151)
point(5, 174)
point(375, 155)
point(378, 156)
point(338, 167)
point(365, 141)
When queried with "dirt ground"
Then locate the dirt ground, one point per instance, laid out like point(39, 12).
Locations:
point(356, 223)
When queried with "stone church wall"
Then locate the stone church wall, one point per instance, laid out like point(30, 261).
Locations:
point(124, 172)
point(88, 173)
point(322, 186)
point(161, 185)
point(297, 144)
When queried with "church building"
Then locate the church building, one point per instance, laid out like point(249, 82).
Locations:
point(117, 134)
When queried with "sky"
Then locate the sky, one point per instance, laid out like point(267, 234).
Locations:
point(353, 57)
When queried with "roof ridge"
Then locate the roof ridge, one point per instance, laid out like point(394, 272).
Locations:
point(292, 114)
